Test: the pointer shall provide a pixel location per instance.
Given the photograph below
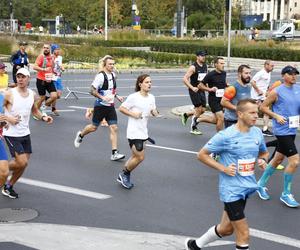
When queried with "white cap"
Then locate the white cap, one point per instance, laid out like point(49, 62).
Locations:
point(23, 71)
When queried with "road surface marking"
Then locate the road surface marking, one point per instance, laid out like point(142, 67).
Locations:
point(65, 189)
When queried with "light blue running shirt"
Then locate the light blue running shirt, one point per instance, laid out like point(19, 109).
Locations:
point(288, 106)
point(242, 149)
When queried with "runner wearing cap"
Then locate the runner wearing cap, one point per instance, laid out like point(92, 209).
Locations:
point(57, 70)
point(19, 104)
point(285, 102)
point(191, 79)
point(19, 59)
point(3, 76)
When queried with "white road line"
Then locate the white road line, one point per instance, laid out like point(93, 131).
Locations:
point(156, 96)
point(172, 149)
point(275, 238)
point(60, 110)
point(65, 189)
point(130, 87)
point(78, 107)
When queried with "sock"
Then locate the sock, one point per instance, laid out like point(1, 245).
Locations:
point(126, 171)
point(266, 175)
point(245, 247)
point(8, 185)
point(287, 183)
point(210, 236)
point(196, 122)
point(114, 151)
point(80, 135)
point(53, 109)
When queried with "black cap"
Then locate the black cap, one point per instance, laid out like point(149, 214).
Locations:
point(289, 70)
point(201, 53)
point(23, 43)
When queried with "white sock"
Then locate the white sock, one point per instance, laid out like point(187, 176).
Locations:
point(208, 237)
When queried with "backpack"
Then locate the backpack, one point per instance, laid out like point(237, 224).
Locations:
point(105, 82)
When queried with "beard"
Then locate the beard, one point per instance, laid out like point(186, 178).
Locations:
point(46, 53)
point(245, 80)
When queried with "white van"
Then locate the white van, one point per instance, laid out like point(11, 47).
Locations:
point(286, 31)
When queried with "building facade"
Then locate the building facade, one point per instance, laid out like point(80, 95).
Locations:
point(270, 9)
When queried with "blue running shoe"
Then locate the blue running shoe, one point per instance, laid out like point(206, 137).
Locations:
point(125, 180)
point(289, 200)
point(262, 193)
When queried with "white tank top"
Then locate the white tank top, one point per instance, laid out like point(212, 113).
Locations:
point(21, 106)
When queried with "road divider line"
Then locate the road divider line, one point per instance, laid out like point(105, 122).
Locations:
point(275, 238)
point(78, 107)
point(64, 189)
point(171, 149)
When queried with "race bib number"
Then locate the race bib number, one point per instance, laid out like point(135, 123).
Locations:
point(246, 167)
point(220, 92)
point(201, 76)
point(294, 121)
point(48, 77)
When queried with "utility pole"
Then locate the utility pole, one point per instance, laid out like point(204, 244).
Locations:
point(178, 23)
point(106, 29)
point(11, 18)
point(229, 31)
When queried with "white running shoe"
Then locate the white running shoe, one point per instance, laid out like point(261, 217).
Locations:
point(77, 140)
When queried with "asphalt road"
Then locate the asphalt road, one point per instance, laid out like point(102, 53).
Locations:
point(81, 206)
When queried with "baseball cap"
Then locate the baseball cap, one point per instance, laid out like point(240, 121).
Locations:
point(54, 47)
point(23, 43)
point(23, 71)
point(2, 65)
point(289, 70)
point(201, 53)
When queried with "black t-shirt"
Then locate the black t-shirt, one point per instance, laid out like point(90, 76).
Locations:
point(199, 72)
point(215, 79)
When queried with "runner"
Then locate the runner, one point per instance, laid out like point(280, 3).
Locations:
point(240, 147)
point(261, 82)
point(138, 107)
point(58, 69)
point(104, 89)
point(285, 102)
point(237, 91)
point(215, 83)
point(44, 65)
point(19, 60)
point(19, 103)
point(191, 79)
point(3, 77)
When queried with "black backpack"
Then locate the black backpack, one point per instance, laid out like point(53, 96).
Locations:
point(105, 82)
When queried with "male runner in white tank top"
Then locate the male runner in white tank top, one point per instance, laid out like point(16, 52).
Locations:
point(19, 104)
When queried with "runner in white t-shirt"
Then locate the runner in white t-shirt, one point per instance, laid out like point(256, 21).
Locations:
point(138, 106)
point(261, 82)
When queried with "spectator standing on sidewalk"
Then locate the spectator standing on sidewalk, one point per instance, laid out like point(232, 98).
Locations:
point(19, 60)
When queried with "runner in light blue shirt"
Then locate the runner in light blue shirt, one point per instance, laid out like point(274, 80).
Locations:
point(240, 147)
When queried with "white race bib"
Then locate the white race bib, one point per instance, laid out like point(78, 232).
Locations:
point(48, 77)
point(246, 167)
point(201, 76)
point(219, 92)
point(294, 121)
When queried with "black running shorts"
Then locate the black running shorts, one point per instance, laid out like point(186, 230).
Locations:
point(43, 86)
point(138, 143)
point(19, 145)
point(107, 112)
point(286, 145)
point(198, 99)
point(235, 209)
point(215, 104)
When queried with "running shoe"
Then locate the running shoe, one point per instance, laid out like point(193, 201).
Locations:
point(195, 131)
point(77, 140)
point(55, 112)
point(280, 167)
point(267, 133)
point(125, 181)
point(9, 192)
point(117, 156)
point(289, 200)
point(190, 244)
point(262, 193)
point(35, 117)
point(184, 118)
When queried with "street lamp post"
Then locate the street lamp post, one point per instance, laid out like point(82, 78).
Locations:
point(229, 31)
point(11, 17)
point(106, 29)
